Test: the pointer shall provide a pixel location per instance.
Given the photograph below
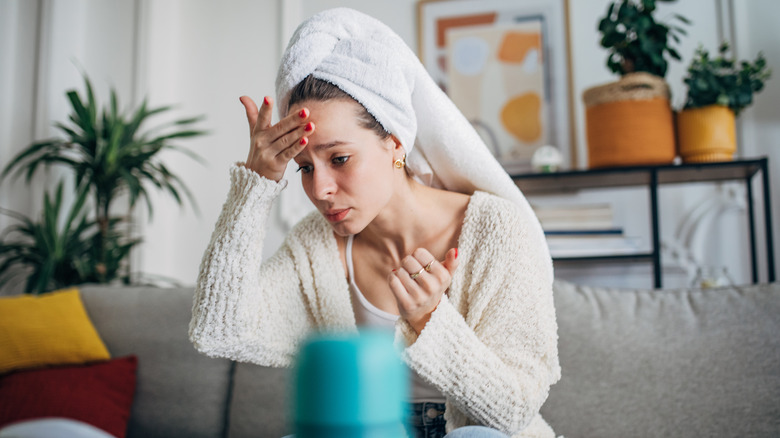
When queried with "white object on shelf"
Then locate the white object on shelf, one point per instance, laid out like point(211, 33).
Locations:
point(547, 159)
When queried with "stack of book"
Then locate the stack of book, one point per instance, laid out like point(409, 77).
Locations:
point(586, 230)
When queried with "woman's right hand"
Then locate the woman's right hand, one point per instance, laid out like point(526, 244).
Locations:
point(272, 147)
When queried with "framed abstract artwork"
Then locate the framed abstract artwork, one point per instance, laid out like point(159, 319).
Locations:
point(504, 63)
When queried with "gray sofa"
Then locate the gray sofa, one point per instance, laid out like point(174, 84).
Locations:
point(667, 363)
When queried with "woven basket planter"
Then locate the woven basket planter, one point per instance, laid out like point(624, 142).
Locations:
point(706, 134)
point(629, 122)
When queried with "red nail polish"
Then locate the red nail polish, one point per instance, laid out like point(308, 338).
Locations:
point(266, 101)
point(303, 113)
point(456, 252)
point(309, 127)
point(303, 141)
point(395, 270)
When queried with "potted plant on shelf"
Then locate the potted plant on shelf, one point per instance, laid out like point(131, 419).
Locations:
point(109, 154)
point(630, 122)
point(718, 89)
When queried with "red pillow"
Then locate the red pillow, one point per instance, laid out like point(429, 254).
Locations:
point(100, 394)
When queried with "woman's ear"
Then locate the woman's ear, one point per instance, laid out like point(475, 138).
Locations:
point(395, 143)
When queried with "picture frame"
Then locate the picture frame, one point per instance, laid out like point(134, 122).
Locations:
point(505, 64)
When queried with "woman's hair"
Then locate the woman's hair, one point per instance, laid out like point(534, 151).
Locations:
point(318, 90)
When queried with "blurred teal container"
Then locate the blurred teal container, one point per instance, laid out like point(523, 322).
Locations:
point(350, 385)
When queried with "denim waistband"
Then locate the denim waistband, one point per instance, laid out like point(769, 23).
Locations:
point(426, 420)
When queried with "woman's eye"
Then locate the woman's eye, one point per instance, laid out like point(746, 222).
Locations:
point(304, 169)
point(340, 160)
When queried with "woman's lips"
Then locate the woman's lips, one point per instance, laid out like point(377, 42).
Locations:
point(336, 215)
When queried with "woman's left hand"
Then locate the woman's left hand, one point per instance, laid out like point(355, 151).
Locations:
point(419, 284)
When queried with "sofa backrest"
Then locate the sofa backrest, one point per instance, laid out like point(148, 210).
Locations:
point(635, 363)
point(667, 362)
point(180, 392)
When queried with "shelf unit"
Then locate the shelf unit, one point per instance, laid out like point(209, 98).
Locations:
point(653, 176)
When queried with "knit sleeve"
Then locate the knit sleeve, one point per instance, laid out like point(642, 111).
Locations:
point(494, 356)
point(243, 309)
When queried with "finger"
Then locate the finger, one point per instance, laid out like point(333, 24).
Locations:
point(423, 256)
point(434, 273)
point(251, 112)
point(289, 124)
point(451, 260)
point(439, 273)
point(399, 291)
point(293, 150)
point(265, 113)
point(414, 290)
point(291, 144)
point(413, 266)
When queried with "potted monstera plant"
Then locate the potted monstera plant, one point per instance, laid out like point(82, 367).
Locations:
point(110, 154)
point(630, 121)
point(719, 88)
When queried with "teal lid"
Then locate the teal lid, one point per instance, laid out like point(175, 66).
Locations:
point(349, 382)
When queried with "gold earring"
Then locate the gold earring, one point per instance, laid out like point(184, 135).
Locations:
point(400, 163)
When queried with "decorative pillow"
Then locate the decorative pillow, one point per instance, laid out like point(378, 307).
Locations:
point(50, 329)
point(100, 394)
point(52, 428)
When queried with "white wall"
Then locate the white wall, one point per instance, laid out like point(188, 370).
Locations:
point(202, 55)
point(18, 41)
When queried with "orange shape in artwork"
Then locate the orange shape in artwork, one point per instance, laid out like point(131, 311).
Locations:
point(516, 45)
point(445, 24)
point(521, 117)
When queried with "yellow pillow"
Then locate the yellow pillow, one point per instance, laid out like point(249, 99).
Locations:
point(50, 329)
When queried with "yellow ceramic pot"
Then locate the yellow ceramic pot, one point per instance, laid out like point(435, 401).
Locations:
point(706, 134)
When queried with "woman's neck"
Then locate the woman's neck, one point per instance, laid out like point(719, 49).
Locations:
point(410, 220)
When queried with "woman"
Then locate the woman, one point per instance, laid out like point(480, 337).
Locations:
point(462, 275)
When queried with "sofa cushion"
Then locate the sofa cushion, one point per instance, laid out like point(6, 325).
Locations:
point(180, 392)
point(667, 362)
point(260, 403)
point(99, 394)
point(50, 329)
point(52, 428)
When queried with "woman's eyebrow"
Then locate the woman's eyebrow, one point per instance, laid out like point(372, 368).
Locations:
point(323, 146)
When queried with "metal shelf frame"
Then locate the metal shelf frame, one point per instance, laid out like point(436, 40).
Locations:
point(654, 176)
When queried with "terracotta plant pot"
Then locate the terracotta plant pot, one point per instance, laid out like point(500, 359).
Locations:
point(629, 122)
point(706, 134)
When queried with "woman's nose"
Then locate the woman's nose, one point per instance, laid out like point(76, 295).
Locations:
point(323, 184)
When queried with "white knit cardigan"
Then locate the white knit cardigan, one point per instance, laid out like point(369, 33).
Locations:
point(490, 346)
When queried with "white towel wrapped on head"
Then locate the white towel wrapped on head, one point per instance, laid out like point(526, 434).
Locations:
point(367, 60)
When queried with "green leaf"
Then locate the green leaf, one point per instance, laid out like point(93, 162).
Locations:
point(681, 18)
point(81, 115)
point(26, 154)
point(611, 9)
point(92, 104)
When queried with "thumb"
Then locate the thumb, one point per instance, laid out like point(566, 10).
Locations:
point(451, 260)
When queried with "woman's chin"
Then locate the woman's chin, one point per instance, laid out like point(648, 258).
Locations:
point(345, 228)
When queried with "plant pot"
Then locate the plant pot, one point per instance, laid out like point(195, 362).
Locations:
point(629, 122)
point(706, 134)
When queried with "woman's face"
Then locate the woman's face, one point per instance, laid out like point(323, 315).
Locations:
point(347, 170)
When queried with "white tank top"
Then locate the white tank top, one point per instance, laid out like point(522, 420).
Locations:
point(370, 316)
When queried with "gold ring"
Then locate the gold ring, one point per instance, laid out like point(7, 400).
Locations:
point(417, 274)
point(428, 266)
